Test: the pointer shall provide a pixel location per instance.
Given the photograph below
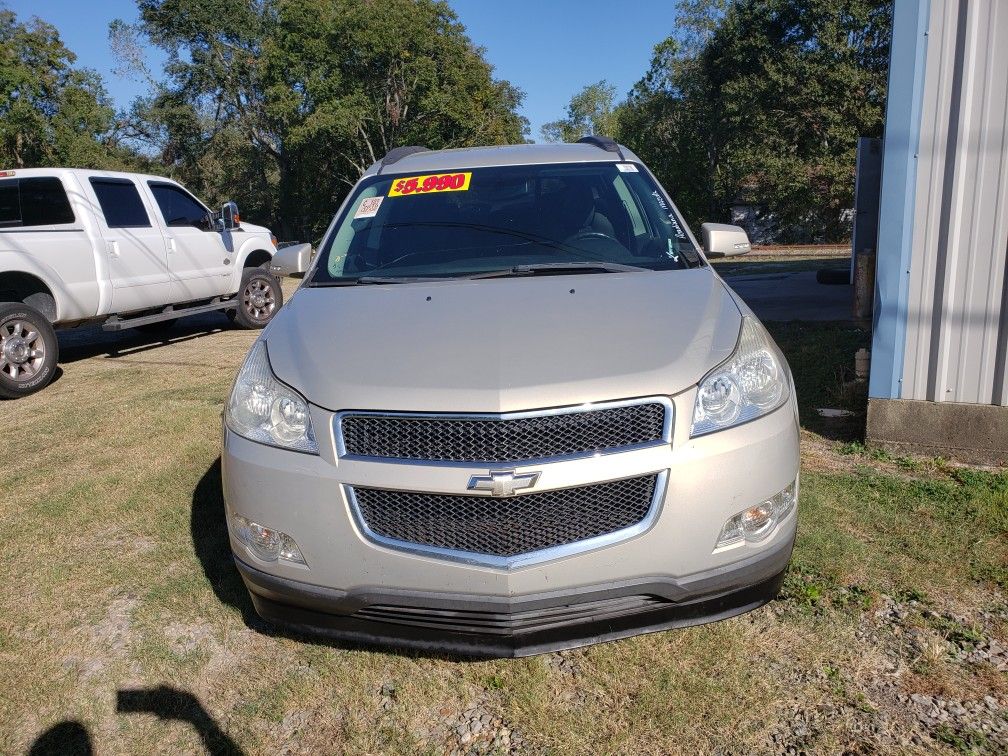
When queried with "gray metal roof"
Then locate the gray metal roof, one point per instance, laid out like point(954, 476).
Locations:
point(513, 154)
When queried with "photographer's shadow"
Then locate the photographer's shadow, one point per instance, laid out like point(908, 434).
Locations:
point(171, 704)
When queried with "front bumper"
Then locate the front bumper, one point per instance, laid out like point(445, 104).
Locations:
point(489, 627)
point(669, 575)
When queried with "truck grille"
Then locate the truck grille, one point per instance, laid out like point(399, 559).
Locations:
point(502, 439)
point(506, 526)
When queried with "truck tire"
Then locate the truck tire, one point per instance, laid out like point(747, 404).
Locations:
point(259, 298)
point(29, 350)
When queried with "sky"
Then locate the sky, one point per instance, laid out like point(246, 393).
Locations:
point(548, 48)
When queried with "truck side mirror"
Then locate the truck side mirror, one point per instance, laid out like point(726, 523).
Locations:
point(229, 214)
point(723, 240)
point(291, 260)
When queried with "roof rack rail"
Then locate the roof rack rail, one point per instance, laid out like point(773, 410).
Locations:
point(603, 142)
point(398, 153)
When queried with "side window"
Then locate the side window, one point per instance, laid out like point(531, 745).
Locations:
point(44, 202)
point(40, 201)
point(120, 203)
point(178, 207)
point(10, 203)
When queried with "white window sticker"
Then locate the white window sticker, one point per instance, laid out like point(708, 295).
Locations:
point(627, 167)
point(368, 207)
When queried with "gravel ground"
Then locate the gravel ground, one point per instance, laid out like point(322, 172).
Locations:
point(931, 679)
point(906, 645)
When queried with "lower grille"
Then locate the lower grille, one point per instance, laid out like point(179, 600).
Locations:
point(506, 526)
point(514, 623)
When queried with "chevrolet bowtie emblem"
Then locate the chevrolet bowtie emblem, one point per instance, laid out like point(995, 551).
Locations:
point(503, 483)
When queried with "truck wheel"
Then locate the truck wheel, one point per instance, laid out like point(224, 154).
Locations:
point(259, 299)
point(29, 350)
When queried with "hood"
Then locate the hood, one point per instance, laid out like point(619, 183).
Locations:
point(502, 345)
point(252, 228)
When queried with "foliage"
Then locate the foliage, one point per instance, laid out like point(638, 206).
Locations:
point(285, 102)
point(51, 113)
point(590, 111)
point(797, 82)
point(761, 102)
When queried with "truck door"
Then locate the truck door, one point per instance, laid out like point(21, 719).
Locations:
point(134, 247)
point(199, 256)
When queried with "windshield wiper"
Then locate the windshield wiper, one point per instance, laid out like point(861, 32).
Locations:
point(365, 280)
point(600, 266)
point(592, 266)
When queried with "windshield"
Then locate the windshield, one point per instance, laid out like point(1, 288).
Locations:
point(520, 219)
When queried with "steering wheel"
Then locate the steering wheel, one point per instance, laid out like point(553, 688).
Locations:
point(586, 234)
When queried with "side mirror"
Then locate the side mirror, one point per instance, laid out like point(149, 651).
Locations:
point(723, 240)
point(229, 214)
point(292, 260)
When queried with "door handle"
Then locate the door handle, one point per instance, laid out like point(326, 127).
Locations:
point(112, 247)
point(171, 245)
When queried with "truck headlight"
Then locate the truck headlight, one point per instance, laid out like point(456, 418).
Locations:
point(263, 409)
point(751, 383)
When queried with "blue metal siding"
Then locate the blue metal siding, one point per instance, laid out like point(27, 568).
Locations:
point(898, 202)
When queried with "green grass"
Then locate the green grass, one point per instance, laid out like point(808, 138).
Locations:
point(123, 613)
point(821, 356)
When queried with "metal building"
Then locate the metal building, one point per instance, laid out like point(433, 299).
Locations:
point(938, 375)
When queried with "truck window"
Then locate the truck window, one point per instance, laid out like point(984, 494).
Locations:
point(40, 201)
point(177, 206)
point(120, 203)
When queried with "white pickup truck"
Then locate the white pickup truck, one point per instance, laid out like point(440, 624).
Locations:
point(124, 250)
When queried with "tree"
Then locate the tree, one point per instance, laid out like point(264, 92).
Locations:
point(51, 113)
point(590, 111)
point(761, 102)
point(285, 102)
point(797, 82)
point(667, 121)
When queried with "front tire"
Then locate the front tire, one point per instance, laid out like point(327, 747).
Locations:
point(29, 350)
point(259, 299)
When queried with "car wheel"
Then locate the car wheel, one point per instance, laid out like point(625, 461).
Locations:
point(29, 350)
point(259, 298)
point(161, 325)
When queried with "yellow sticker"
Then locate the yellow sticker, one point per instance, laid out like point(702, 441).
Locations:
point(432, 184)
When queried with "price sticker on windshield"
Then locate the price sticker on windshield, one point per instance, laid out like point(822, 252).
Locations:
point(432, 184)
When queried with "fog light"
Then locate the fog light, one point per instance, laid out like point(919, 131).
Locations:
point(756, 523)
point(731, 533)
point(266, 543)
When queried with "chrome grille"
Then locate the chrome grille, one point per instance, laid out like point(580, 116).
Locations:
point(502, 439)
point(506, 526)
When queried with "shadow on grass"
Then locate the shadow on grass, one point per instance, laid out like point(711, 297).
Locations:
point(210, 541)
point(172, 704)
point(70, 738)
point(91, 341)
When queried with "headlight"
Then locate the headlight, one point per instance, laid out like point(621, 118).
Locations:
point(751, 383)
point(263, 409)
